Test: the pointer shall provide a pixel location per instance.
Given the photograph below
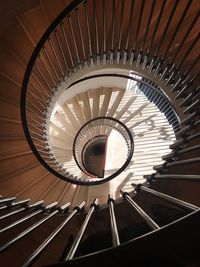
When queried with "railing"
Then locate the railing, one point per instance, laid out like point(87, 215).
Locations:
point(92, 133)
point(68, 213)
point(59, 55)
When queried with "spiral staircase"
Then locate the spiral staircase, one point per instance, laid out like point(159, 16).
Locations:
point(99, 133)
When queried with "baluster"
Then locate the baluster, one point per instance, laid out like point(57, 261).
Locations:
point(13, 204)
point(7, 200)
point(114, 230)
point(30, 206)
point(143, 214)
point(181, 177)
point(55, 55)
point(50, 238)
point(31, 228)
point(79, 236)
point(173, 200)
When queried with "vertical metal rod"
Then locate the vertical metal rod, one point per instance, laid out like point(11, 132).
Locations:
point(50, 62)
point(148, 25)
point(79, 236)
point(38, 93)
point(138, 25)
point(177, 27)
point(80, 32)
point(181, 63)
point(20, 221)
point(74, 39)
point(88, 29)
point(104, 28)
point(61, 49)
point(34, 205)
point(55, 55)
point(166, 27)
point(194, 62)
point(146, 217)
point(96, 26)
point(36, 99)
point(40, 130)
point(43, 77)
point(24, 203)
point(174, 200)
point(28, 108)
point(50, 238)
point(114, 230)
point(66, 41)
point(185, 37)
point(44, 64)
point(7, 200)
point(38, 123)
point(113, 25)
point(33, 132)
point(28, 230)
point(129, 25)
point(39, 83)
point(121, 25)
point(180, 177)
point(156, 26)
point(33, 104)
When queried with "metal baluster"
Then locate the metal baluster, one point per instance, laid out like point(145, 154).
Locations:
point(96, 26)
point(166, 27)
point(43, 77)
point(178, 177)
point(50, 238)
point(114, 230)
point(113, 25)
point(67, 43)
point(121, 25)
point(183, 92)
point(192, 107)
point(31, 206)
point(138, 26)
point(196, 59)
point(13, 204)
point(34, 97)
point(55, 55)
point(7, 200)
point(73, 38)
point(30, 118)
point(148, 25)
point(28, 108)
point(32, 103)
point(189, 149)
point(104, 29)
point(183, 162)
point(40, 130)
point(44, 64)
point(61, 49)
point(50, 61)
point(88, 30)
point(174, 200)
point(80, 33)
point(146, 217)
point(157, 24)
point(39, 83)
point(177, 28)
point(129, 26)
point(38, 93)
point(174, 154)
point(31, 228)
point(185, 37)
point(79, 236)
